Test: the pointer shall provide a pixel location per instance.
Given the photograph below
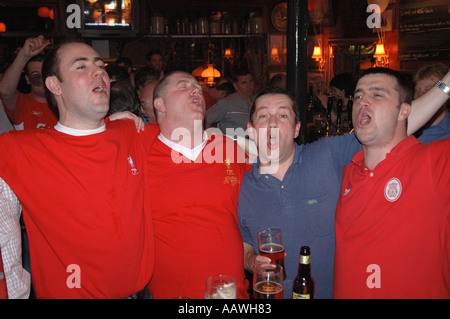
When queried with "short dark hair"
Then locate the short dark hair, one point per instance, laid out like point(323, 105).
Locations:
point(145, 75)
point(239, 72)
point(117, 73)
point(37, 58)
point(344, 81)
point(275, 91)
point(51, 67)
point(405, 87)
point(158, 91)
point(124, 98)
point(153, 52)
point(228, 87)
point(437, 70)
point(125, 61)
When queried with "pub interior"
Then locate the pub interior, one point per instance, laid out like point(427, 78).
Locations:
point(307, 43)
point(337, 36)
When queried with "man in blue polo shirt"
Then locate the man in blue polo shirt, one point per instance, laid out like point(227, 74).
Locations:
point(438, 127)
point(296, 188)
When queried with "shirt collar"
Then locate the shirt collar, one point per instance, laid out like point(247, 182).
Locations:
point(297, 160)
point(75, 132)
point(190, 153)
point(401, 147)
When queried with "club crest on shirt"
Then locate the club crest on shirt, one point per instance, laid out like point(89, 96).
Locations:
point(393, 189)
point(134, 170)
point(230, 178)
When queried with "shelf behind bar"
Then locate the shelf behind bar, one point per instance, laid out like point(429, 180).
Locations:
point(179, 36)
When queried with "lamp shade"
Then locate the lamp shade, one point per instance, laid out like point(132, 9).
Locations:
point(274, 52)
point(2, 27)
point(379, 51)
point(317, 53)
point(44, 12)
point(198, 71)
point(228, 53)
point(210, 72)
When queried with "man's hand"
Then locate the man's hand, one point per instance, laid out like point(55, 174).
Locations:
point(126, 115)
point(33, 46)
point(251, 259)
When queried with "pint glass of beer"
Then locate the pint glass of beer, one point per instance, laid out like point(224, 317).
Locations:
point(268, 281)
point(270, 244)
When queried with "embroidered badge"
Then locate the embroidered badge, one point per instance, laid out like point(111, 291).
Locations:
point(134, 170)
point(230, 178)
point(393, 189)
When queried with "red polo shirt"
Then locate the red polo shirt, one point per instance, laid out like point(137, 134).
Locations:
point(393, 225)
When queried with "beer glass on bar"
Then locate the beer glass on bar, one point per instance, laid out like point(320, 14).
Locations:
point(220, 287)
point(268, 281)
point(270, 244)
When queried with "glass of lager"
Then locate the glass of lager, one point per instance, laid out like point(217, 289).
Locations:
point(268, 281)
point(270, 244)
point(220, 287)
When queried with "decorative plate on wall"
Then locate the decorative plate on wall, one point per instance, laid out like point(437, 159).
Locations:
point(279, 16)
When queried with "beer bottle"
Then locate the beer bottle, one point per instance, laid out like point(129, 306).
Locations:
point(349, 112)
point(303, 287)
point(329, 110)
point(339, 116)
point(310, 107)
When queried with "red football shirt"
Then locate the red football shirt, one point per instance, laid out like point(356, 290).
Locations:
point(30, 113)
point(393, 225)
point(85, 207)
point(194, 207)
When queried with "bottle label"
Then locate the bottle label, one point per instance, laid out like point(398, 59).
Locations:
point(300, 296)
point(304, 259)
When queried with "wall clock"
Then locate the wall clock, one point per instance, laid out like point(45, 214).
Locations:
point(279, 16)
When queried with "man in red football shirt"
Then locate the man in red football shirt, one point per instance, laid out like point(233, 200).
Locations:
point(27, 110)
point(194, 181)
point(83, 187)
point(392, 218)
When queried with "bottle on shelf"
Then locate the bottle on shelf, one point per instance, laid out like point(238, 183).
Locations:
point(329, 110)
point(349, 112)
point(304, 287)
point(339, 106)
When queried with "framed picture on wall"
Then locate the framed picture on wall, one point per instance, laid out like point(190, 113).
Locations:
point(322, 13)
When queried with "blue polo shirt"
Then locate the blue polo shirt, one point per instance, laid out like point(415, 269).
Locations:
point(436, 132)
point(302, 206)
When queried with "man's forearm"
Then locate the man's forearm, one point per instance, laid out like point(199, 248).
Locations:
point(424, 107)
point(10, 81)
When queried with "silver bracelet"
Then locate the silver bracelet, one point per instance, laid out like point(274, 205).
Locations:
point(443, 87)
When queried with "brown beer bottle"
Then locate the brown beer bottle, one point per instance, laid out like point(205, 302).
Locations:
point(303, 287)
point(339, 116)
point(349, 112)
